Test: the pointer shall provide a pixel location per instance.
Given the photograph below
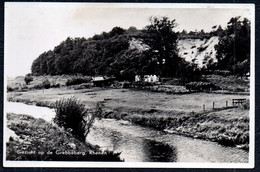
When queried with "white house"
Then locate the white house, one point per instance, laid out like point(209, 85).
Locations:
point(147, 78)
point(98, 78)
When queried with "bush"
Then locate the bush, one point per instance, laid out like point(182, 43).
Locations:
point(28, 78)
point(142, 84)
point(72, 115)
point(222, 72)
point(200, 86)
point(55, 85)
point(245, 105)
point(39, 86)
point(77, 80)
point(46, 84)
point(9, 89)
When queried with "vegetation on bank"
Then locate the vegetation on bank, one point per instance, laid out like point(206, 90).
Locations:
point(72, 115)
point(38, 140)
point(74, 121)
point(227, 126)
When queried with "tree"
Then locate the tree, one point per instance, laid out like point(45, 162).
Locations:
point(219, 31)
point(28, 78)
point(184, 32)
point(162, 40)
point(116, 31)
point(233, 49)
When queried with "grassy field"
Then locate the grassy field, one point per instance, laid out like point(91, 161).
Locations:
point(35, 139)
point(130, 99)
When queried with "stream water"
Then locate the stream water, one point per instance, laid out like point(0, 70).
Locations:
point(142, 144)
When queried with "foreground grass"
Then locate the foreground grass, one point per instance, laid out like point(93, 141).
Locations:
point(38, 140)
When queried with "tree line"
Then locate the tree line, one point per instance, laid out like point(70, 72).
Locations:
point(113, 54)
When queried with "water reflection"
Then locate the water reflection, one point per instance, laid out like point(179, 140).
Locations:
point(132, 148)
point(159, 152)
point(140, 144)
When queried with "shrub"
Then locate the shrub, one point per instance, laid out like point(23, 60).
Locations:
point(55, 85)
point(28, 78)
point(39, 86)
point(46, 84)
point(245, 105)
point(200, 86)
point(77, 80)
point(142, 84)
point(72, 115)
point(222, 72)
point(238, 89)
point(9, 89)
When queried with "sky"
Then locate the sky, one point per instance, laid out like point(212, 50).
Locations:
point(33, 28)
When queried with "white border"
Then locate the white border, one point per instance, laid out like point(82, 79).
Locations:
point(64, 164)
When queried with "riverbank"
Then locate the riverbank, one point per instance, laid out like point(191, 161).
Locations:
point(228, 126)
point(179, 114)
point(38, 140)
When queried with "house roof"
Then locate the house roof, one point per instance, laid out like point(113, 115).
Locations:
point(98, 78)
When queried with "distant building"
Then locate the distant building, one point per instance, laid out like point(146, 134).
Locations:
point(98, 78)
point(101, 81)
point(146, 78)
point(248, 75)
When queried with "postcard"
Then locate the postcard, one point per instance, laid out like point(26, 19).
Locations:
point(149, 85)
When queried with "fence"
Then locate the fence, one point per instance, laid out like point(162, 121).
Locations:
point(238, 101)
point(235, 102)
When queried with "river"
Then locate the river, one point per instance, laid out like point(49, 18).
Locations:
point(140, 144)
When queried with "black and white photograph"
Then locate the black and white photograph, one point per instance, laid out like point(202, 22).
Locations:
point(160, 85)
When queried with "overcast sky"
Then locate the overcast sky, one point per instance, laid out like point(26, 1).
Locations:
point(33, 28)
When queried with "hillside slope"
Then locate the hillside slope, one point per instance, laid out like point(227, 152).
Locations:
point(196, 49)
point(190, 49)
point(118, 55)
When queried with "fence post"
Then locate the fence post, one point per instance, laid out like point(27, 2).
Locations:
point(213, 104)
point(226, 103)
point(204, 107)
